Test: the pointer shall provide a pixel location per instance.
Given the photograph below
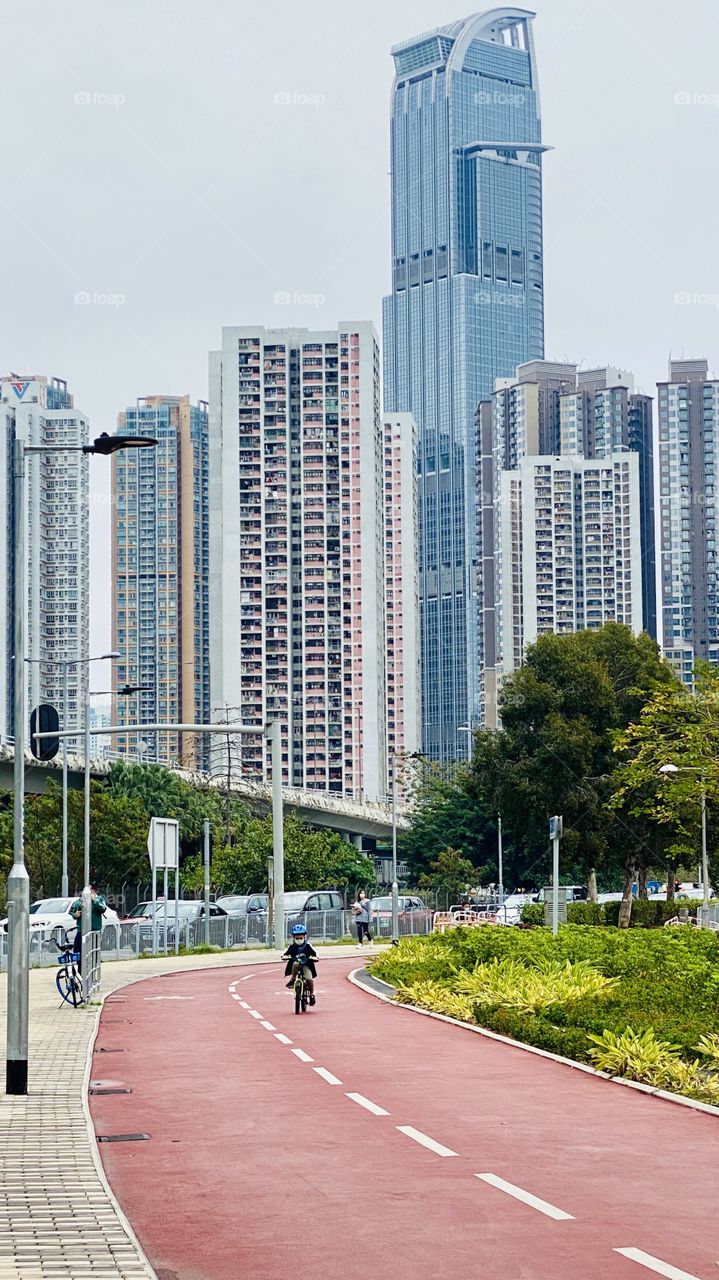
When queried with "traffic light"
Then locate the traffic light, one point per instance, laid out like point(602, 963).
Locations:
point(44, 719)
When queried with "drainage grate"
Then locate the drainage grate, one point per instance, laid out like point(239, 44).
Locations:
point(110, 1051)
point(106, 1091)
point(123, 1137)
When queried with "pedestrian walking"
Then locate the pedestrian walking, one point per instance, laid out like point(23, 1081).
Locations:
point(363, 917)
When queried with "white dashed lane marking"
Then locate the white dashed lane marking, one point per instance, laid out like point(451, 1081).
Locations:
point(367, 1104)
point(254, 1014)
point(526, 1197)
point(327, 1075)
point(303, 1057)
point(417, 1136)
point(267, 1025)
point(236, 997)
point(656, 1265)
point(282, 1038)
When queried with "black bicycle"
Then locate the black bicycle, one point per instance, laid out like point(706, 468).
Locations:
point(68, 978)
point(302, 993)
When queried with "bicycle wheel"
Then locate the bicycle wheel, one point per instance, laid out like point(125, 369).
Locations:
point(304, 999)
point(68, 985)
point(299, 990)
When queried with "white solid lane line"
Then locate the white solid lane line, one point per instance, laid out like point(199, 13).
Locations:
point(247, 976)
point(254, 1014)
point(282, 1038)
point(327, 1075)
point(656, 1265)
point(303, 1057)
point(267, 1025)
point(424, 1141)
point(369, 1106)
point(526, 1197)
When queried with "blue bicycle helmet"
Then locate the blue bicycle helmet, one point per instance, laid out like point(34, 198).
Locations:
point(297, 929)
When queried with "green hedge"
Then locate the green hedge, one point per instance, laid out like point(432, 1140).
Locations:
point(669, 980)
point(645, 914)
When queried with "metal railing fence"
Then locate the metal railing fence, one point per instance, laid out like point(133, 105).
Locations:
point(127, 941)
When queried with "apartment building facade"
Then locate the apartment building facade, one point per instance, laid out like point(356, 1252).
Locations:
point(401, 591)
point(297, 601)
point(40, 411)
point(688, 431)
point(160, 569)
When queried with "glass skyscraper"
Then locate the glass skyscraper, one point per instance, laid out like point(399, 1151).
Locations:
point(466, 307)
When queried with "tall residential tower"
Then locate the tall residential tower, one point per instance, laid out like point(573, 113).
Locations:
point(160, 546)
point(688, 409)
point(466, 307)
point(40, 411)
point(297, 603)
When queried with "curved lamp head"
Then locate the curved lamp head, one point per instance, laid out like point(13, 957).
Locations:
point(107, 444)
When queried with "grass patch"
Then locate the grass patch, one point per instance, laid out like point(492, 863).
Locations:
point(642, 1003)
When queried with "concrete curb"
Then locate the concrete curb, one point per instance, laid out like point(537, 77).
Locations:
point(354, 978)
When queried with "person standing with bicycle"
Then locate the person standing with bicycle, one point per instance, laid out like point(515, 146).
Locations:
point(301, 955)
point(98, 909)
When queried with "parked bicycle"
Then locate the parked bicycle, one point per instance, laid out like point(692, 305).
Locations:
point(68, 978)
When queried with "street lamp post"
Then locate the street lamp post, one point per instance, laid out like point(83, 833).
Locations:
point(125, 692)
point(18, 889)
point(673, 769)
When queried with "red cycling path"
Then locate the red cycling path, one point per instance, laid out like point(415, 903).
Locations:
point(259, 1164)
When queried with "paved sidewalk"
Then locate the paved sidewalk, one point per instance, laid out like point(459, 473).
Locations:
point(58, 1218)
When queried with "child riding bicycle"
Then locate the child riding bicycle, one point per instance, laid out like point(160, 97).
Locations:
point(301, 956)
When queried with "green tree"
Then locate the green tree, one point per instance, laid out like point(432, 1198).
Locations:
point(554, 753)
point(677, 728)
point(445, 815)
point(314, 859)
point(449, 874)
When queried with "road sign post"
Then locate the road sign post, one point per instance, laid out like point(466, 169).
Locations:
point(163, 847)
point(556, 829)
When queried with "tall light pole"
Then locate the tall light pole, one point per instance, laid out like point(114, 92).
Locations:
point(125, 692)
point(673, 769)
point(18, 887)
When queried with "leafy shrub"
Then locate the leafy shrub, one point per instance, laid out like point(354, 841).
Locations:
point(636, 1055)
point(432, 995)
point(509, 984)
point(533, 913)
point(666, 981)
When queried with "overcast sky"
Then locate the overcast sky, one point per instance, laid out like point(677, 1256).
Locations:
point(153, 164)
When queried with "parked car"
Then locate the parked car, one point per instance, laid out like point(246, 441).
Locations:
point(243, 904)
point(406, 904)
point(303, 900)
point(142, 910)
point(188, 911)
point(47, 914)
